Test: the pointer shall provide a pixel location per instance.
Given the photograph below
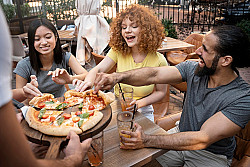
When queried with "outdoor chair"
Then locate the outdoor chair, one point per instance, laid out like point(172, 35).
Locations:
point(98, 58)
point(161, 108)
point(176, 57)
point(18, 49)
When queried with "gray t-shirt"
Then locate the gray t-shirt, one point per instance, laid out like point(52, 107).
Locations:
point(45, 83)
point(233, 100)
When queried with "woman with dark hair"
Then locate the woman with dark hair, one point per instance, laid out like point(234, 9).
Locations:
point(136, 34)
point(45, 70)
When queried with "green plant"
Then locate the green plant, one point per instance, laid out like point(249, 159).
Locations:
point(25, 9)
point(107, 3)
point(8, 9)
point(60, 10)
point(245, 26)
point(170, 30)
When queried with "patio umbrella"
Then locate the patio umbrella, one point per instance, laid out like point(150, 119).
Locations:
point(93, 30)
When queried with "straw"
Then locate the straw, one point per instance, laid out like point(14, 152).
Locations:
point(121, 91)
point(95, 151)
point(133, 116)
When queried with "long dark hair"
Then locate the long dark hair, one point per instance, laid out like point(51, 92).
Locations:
point(33, 53)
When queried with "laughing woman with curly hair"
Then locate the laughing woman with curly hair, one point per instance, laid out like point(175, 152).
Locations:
point(136, 34)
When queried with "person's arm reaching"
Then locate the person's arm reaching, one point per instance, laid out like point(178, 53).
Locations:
point(104, 66)
point(25, 90)
point(61, 76)
point(139, 77)
point(214, 129)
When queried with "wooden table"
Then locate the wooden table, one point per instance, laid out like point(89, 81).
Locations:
point(114, 156)
point(173, 44)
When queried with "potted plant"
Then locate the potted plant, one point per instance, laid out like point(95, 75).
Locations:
point(170, 30)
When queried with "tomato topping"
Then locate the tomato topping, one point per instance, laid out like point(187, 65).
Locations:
point(52, 119)
point(36, 114)
point(45, 116)
point(41, 105)
point(91, 114)
point(66, 115)
point(75, 100)
point(91, 107)
point(78, 113)
point(76, 119)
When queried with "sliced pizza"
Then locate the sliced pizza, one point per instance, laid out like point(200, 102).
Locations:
point(57, 123)
point(46, 101)
point(83, 120)
point(72, 97)
point(96, 101)
point(37, 118)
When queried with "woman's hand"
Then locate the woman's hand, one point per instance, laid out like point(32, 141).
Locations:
point(81, 86)
point(132, 106)
point(30, 89)
point(60, 76)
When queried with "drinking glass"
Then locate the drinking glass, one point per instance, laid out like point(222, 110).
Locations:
point(95, 152)
point(125, 122)
point(126, 97)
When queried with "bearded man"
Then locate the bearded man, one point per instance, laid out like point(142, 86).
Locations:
point(217, 105)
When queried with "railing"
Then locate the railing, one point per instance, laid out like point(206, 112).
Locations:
point(199, 15)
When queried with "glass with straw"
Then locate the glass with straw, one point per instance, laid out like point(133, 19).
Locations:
point(125, 121)
point(126, 97)
point(95, 152)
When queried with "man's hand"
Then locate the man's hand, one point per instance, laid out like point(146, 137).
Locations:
point(19, 117)
point(104, 81)
point(135, 141)
point(75, 147)
point(81, 86)
point(60, 76)
point(30, 89)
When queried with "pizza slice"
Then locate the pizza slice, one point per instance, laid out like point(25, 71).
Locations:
point(96, 101)
point(36, 118)
point(86, 120)
point(49, 125)
point(57, 123)
point(72, 97)
point(82, 120)
point(46, 101)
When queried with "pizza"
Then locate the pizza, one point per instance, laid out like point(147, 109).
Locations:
point(52, 117)
point(57, 123)
point(96, 101)
point(72, 97)
point(46, 101)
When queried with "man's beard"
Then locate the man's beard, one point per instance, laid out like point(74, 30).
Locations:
point(202, 71)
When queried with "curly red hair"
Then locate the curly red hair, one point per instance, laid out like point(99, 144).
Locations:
point(151, 34)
